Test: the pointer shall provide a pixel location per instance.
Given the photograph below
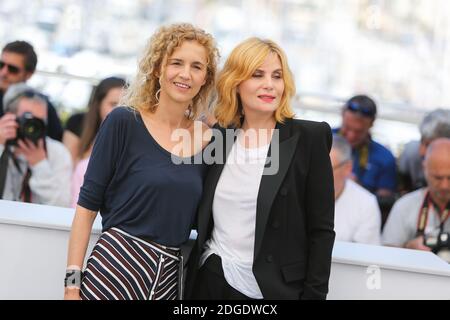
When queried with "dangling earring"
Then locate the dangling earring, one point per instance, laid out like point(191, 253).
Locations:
point(189, 113)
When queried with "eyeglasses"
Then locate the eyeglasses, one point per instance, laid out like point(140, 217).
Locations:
point(356, 107)
point(11, 68)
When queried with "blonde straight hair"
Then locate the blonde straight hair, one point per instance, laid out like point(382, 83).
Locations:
point(240, 65)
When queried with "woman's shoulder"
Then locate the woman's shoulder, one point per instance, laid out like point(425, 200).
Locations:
point(121, 115)
point(118, 123)
point(123, 112)
point(312, 127)
point(314, 133)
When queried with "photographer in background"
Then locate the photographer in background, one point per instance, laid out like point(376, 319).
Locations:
point(18, 62)
point(33, 168)
point(419, 220)
point(435, 124)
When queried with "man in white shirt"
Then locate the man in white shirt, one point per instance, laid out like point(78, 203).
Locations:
point(31, 170)
point(424, 212)
point(357, 217)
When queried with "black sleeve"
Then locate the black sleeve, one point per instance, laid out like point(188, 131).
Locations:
point(75, 124)
point(54, 127)
point(103, 161)
point(320, 214)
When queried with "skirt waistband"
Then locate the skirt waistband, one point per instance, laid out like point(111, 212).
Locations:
point(174, 253)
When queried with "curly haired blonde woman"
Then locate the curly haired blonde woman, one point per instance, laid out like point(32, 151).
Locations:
point(137, 169)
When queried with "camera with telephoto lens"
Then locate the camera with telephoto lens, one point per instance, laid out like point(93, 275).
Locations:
point(30, 128)
point(439, 244)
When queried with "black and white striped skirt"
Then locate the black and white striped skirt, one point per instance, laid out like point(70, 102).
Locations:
point(124, 267)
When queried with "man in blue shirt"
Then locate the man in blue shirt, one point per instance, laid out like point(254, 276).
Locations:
point(374, 166)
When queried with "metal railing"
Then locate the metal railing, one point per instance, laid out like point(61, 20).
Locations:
point(309, 101)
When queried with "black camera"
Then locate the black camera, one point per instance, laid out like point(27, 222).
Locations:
point(439, 244)
point(30, 128)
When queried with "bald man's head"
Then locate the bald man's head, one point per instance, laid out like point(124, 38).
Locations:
point(437, 170)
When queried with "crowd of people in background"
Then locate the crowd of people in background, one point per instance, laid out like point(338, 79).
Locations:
point(379, 199)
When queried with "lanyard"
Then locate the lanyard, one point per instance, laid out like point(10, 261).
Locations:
point(363, 155)
point(423, 214)
point(25, 193)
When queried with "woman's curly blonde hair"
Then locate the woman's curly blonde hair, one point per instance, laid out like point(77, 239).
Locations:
point(141, 95)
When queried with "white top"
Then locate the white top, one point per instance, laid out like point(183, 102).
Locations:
point(50, 178)
point(234, 213)
point(401, 225)
point(357, 217)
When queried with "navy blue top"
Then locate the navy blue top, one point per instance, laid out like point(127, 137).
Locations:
point(381, 171)
point(136, 186)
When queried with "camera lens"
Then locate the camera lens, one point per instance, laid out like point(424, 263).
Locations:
point(30, 128)
point(33, 129)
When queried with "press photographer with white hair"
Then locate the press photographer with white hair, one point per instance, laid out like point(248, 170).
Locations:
point(357, 217)
point(33, 168)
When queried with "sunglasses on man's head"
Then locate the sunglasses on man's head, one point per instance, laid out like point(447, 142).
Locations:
point(356, 107)
point(11, 68)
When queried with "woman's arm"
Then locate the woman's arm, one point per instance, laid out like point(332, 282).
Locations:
point(320, 215)
point(72, 143)
point(78, 242)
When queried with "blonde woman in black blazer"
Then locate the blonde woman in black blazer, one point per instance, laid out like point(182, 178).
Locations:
point(278, 244)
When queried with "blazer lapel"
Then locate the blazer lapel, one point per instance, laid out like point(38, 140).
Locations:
point(223, 148)
point(270, 183)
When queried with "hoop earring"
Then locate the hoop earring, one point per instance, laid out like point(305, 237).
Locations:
point(157, 94)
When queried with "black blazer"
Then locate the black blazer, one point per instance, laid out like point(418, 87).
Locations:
point(295, 216)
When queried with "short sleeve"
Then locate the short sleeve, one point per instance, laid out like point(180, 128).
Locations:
point(388, 177)
point(75, 124)
point(396, 231)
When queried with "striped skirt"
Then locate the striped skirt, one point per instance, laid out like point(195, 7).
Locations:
point(123, 267)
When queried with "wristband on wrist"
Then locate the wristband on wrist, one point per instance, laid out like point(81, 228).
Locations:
point(73, 267)
point(73, 279)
